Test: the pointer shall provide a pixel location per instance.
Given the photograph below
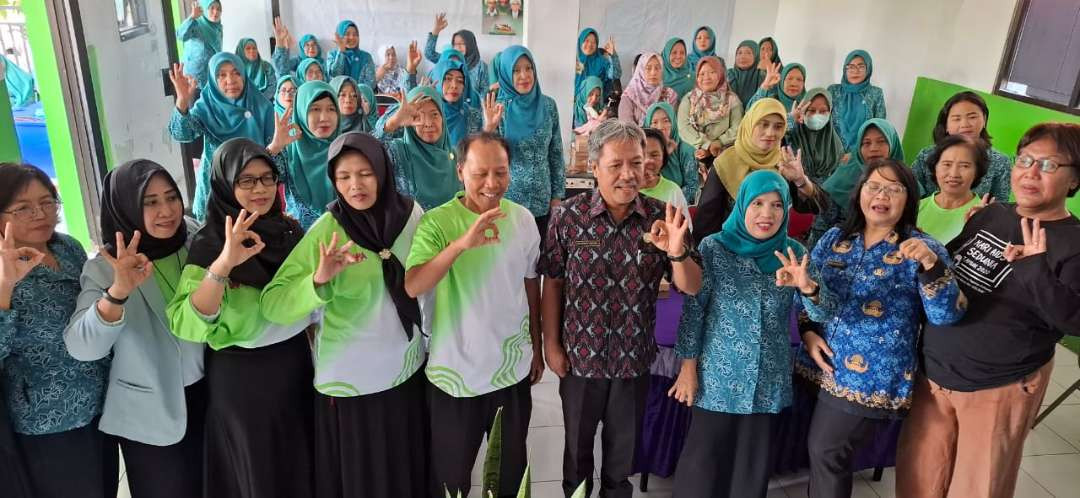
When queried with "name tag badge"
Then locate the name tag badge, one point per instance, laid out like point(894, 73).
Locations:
point(586, 243)
point(835, 263)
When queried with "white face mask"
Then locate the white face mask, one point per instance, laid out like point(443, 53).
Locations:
point(817, 121)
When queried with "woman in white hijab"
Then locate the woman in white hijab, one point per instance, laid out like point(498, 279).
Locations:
point(390, 75)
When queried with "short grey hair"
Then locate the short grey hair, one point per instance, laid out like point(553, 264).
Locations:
point(613, 130)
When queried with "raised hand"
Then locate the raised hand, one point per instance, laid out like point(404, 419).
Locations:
point(791, 165)
point(237, 234)
point(285, 131)
point(686, 384)
point(670, 235)
point(184, 85)
point(493, 112)
point(196, 10)
point(440, 23)
point(414, 58)
point(426, 81)
point(818, 350)
point(794, 272)
point(772, 76)
point(408, 113)
point(986, 200)
point(1034, 241)
point(483, 231)
point(340, 42)
point(281, 32)
point(798, 111)
point(916, 250)
point(609, 47)
point(15, 262)
point(130, 267)
point(701, 154)
point(333, 259)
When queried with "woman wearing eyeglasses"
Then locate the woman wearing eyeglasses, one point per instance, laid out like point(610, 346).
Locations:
point(986, 375)
point(52, 399)
point(855, 100)
point(869, 282)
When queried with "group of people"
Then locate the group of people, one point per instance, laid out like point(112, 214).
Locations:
point(355, 297)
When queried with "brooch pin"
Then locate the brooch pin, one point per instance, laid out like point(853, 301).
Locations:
point(385, 254)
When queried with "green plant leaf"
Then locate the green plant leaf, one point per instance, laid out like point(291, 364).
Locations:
point(525, 489)
point(493, 457)
point(580, 491)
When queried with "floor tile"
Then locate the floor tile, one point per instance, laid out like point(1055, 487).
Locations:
point(1065, 422)
point(547, 407)
point(1027, 487)
point(886, 487)
point(545, 453)
point(1045, 441)
point(1058, 474)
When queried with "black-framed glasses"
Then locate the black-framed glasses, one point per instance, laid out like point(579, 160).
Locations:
point(856, 67)
point(891, 190)
point(27, 213)
point(1045, 165)
point(248, 182)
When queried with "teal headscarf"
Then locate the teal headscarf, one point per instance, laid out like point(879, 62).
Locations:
point(455, 114)
point(679, 79)
point(673, 169)
point(354, 121)
point(524, 113)
point(367, 122)
point(588, 65)
point(737, 239)
point(451, 55)
point(431, 166)
point(303, 41)
point(587, 86)
point(851, 97)
point(253, 69)
point(745, 82)
point(840, 184)
point(821, 149)
point(789, 100)
point(279, 107)
point(307, 156)
point(694, 55)
point(301, 70)
point(250, 115)
point(355, 59)
point(20, 84)
point(213, 43)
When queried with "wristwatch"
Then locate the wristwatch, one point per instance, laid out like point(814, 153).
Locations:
point(117, 301)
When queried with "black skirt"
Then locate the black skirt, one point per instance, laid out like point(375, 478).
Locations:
point(373, 446)
point(259, 421)
point(13, 478)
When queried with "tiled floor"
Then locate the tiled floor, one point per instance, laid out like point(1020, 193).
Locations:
point(1051, 466)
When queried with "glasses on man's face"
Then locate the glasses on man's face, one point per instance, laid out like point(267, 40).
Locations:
point(1045, 165)
point(891, 190)
point(856, 67)
point(248, 182)
point(28, 213)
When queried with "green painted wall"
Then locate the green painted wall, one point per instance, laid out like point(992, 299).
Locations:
point(9, 141)
point(59, 131)
point(1009, 119)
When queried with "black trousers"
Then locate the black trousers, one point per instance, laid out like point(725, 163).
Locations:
point(835, 436)
point(542, 226)
point(726, 455)
point(14, 481)
point(620, 405)
point(82, 462)
point(174, 471)
point(458, 426)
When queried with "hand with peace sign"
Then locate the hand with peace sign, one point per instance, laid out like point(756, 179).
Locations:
point(15, 262)
point(791, 166)
point(184, 85)
point(772, 76)
point(285, 132)
point(440, 23)
point(130, 267)
point(236, 252)
point(340, 42)
point(798, 111)
point(483, 231)
point(671, 234)
point(414, 58)
point(333, 259)
point(609, 47)
point(493, 112)
point(281, 32)
point(794, 272)
point(1034, 241)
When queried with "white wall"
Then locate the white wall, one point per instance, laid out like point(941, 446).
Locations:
point(551, 34)
point(959, 41)
point(247, 19)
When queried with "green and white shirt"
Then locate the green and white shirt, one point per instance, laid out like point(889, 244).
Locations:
point(480, 339)
point(669, 192)
point(361, 347)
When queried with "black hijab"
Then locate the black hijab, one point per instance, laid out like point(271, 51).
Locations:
point(472, 52)
point(377, 227)
point(279, 232)
point(122, 209)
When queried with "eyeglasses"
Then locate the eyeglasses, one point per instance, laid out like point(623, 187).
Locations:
point(875, 188)
point(287, 91)
point(27, 213)
point(856, 67)
point(248, 182)
point(1045, 165)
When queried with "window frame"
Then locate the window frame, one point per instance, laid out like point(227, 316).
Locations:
point(141, 21)
point(1004, 67)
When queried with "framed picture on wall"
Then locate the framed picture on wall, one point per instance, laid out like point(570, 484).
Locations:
point(503, 17)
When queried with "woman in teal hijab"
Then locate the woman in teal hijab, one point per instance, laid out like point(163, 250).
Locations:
point(678, 74)
point(229, 107)
point(744, 76)
point(310, 70)
point(349, 96)
point(681, 166)
point(855, 100)
point(736, 238)
point(368, 107)
point(454, 56)
point(201, 35)
point(301, 155)
point(308, 46)
point(285, 95)
point(20, 84)
point(450, 78)
point(588, 105)
point(259, 73)
point(815, 136)
point(594, 61)
point(424, 158)
point(348, 59)
point(789, 89)
point(704, 43)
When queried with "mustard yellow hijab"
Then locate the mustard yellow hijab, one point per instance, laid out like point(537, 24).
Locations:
point(743, 157)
